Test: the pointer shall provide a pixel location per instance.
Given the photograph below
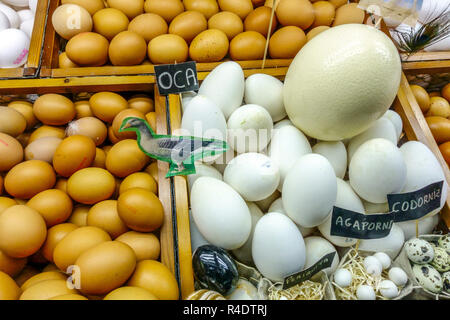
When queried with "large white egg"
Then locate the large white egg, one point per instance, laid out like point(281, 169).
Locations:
point(186, 97)
point(391, 245)
point(288, 144)
point(13, 17)
point(265, 91)
point(426, 226)
point(27, 27)
point(396, 120)
point(197, 239)
point(220, 213)
point(283, 123)
point(336, 153)
point(32, 4)
point(244, 253)
point(25, 15)
point(249, 129)
point(17, 3)
point(327, 91)
point(423, 169)
point(4, 21)
point(203, 170)
point(309, 190)
point(346, 199)
point(377, 169)
point(225, 86)
point(278, 248)
point(277, 206)
point(254, 175)
point(316, 249)
point(383, 128)
point(14, 45)
point(224, 159)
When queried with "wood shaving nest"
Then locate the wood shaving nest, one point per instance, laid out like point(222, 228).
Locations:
point(355, 265)
point(307, 290)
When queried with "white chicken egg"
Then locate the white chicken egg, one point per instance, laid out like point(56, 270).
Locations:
point(288, 144)
point(220, 213)
point(4, 21)
point(343, 278)
point(266, 91)
point(17, 3)
point(244, 253)
point(278, 247)
point(346, 199)
point(336, 153)
point(373, 266)
point(396, 120)
point(32, 4)
point(426, 226)
point(11, 14)
point(316, 249)
point(249, 128)
point(27, 27)
point(254, 175)
point(311, 177)
point(377, 169)
point(203, 170)
point(388, 289)
point(398, 276)
point(365, 292)
point(197, 239)
point(277, 206)
point(225, 86)
point(14, 45)
point(244, 291)
point(391, 245)
point(384, 259)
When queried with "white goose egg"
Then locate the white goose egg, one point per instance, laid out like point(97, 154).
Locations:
point(278, 248)
point(244, 253)
point(316, 249)
point(384, 259)
point(336, 153)
point(254, 175)
point(377, 169)
point(220, 213)
point(203, 170)
point(396, 120)
point(391, 245)
point(426, 226)
point(288, 144)
point(388, 289)
point(398, 276)
point(32, 4)
point(14, 45)
point(343, 278)
point(225, 86)
point(25, 15)
point(423, 169)
point(266, 91)
point(365, 292)
point(13, 17)
point(4, 21)
point(277, 206)
point(197, 239)
point(311, 177)
point(382, 128)
point(346, 199)
point(244, 291)
point(186, 97)
point(27, 27)
point(249, 129)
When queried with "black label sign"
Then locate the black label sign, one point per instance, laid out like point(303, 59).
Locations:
point(417, 204)
point(176, 78)
point(307, 274)
point(349, 224)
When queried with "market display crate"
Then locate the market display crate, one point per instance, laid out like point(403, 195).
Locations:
point(31, 68)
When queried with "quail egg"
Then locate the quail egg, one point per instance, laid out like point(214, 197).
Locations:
point(388, 289)
point(398, 276)
point(419, 251)
point(441, 261)
point(446, 281)
point(384, 259)
point(444, 242)
point(428, 277)
point(365, 292)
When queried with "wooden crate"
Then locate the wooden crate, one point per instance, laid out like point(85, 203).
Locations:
point(31, 68)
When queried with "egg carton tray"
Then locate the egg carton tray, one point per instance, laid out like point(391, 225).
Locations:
point(419, 293)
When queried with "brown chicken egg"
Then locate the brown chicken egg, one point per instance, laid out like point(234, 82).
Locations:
point(118, 120)
point(146, 246)
point(299, 13)
point(54, 109)
point(152, 169)
point(11, 152)
point(139, 180)
point(167, 9)
point(22, 231)
point(106, 105)
point(349, 13)
point(11, 266)
point(90, 127)
point(132, 8)
point(148, 25)
point(338, 3)
point(28, 178)
point(188, 25)
point(422, 97)
point(111, 136)
point(70, 296)
point(241, 7)
point(12, 122)
point(209, 46)
point(125, 158)
point(248, 45)
point(54, 235)
point(47, 131)
point(43, 276)
point(127, 49)
point(88, 49)
point(83, 109)
point(26, 274)
point(53, 205)
point(100, 159)
point(74, 153)
point(79, 216)
point(42, 149)
point(151, 119)
point(61, 184)
point(46, 290)
point(257, 3)
point(24, 138)
point(109, 22)
point(91, 185)
point(64, 23)
point(207, 7)
point(228, 22)
point(92, 6)
point(286, 42)
point(5, 203)
point(26, 109)
point(324, 13)
point(142, 103)
point(314, 32)
point(259, 20)
point(140, 209)
point(9, 290)
point(104, 216)
point(65, 63)
point(167, 48)
point(130, 293)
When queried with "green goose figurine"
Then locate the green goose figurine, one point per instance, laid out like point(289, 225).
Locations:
point(180, 152)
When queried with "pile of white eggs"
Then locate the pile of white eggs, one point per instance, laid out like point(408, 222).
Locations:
point(16, 27)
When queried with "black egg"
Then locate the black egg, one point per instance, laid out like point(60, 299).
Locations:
point(214, 269)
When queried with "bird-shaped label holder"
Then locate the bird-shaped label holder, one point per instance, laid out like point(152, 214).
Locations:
point(180, 152)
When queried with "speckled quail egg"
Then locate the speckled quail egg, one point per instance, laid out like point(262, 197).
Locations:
point(419, 251)
point(428, 277)
point(441, 261)
point(444, 242)
point(446, 281)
